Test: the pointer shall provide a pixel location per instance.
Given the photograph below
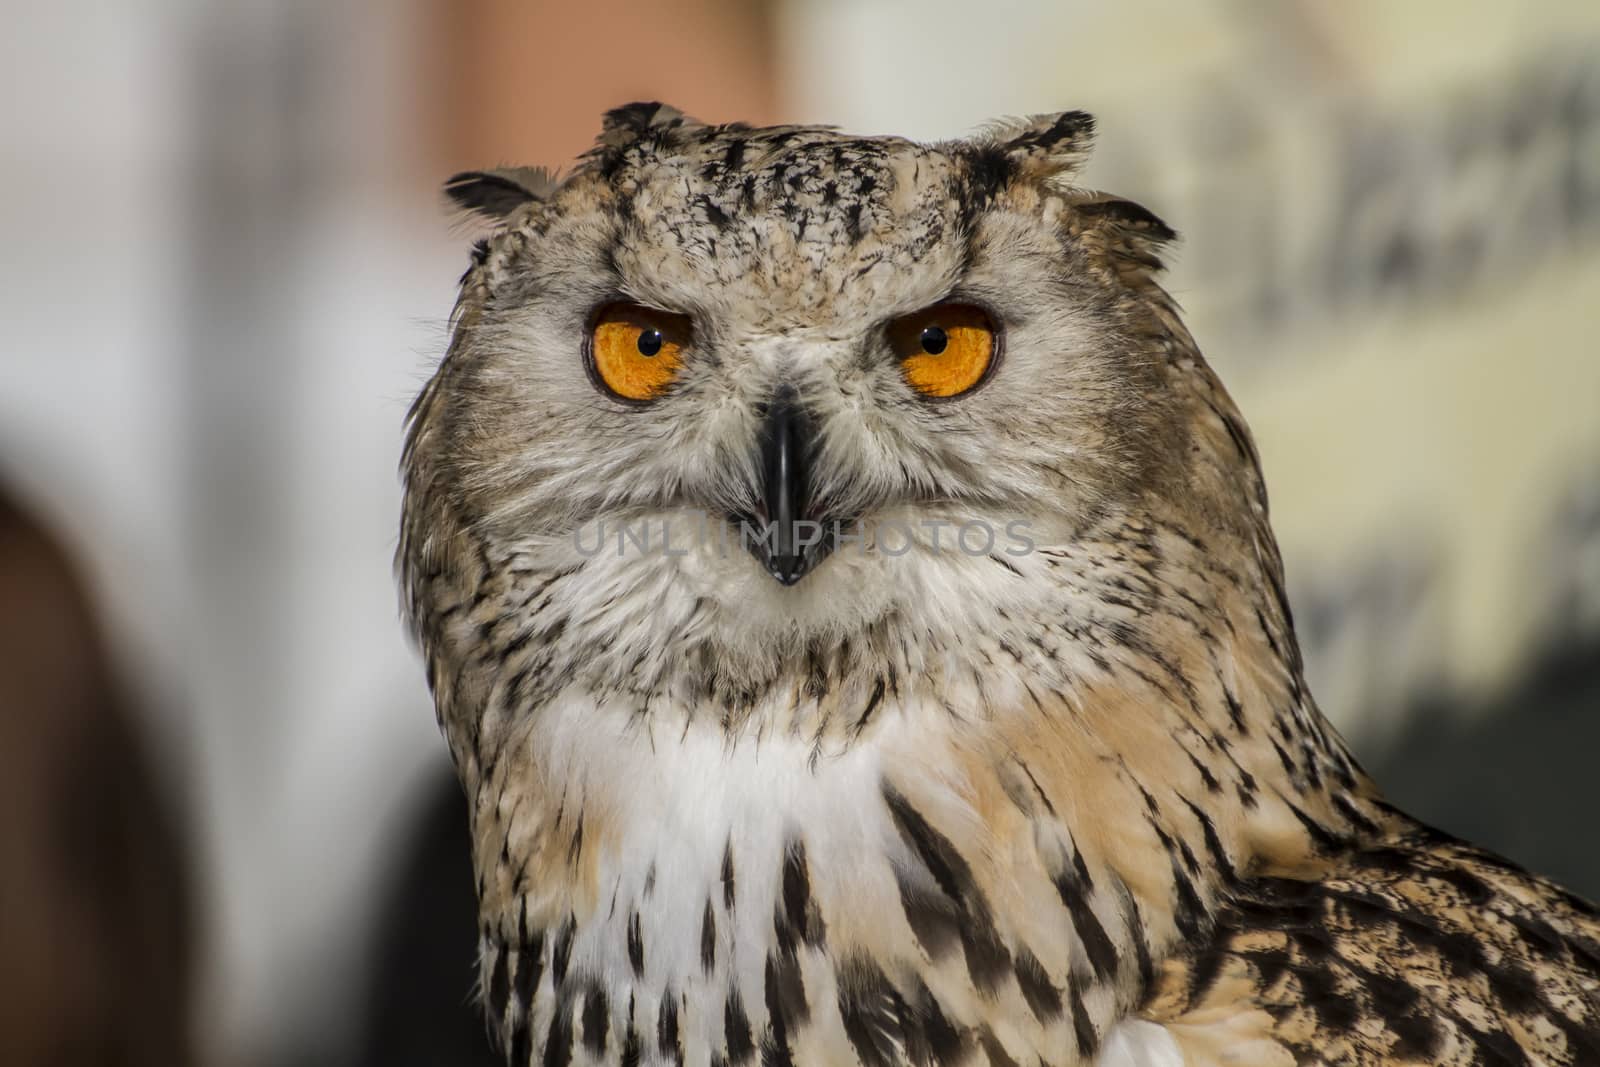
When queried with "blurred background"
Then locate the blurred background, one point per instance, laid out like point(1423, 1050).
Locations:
point(228, 833)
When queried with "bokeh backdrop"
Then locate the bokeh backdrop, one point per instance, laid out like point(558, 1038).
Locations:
point(226, 269)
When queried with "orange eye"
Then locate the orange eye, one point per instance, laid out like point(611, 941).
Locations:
point(945, 350)
point(636, 352)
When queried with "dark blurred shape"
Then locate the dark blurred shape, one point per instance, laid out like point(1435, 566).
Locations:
point(95, 908)
point(420, 1007)
point(1517, 776)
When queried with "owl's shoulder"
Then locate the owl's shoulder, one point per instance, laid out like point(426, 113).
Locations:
point(1415, 949)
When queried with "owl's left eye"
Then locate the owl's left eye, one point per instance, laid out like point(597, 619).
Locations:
point(635, 352)
point(945, 350)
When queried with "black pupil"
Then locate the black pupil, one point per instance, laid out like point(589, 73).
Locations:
point(933, 340)
point(649, 342)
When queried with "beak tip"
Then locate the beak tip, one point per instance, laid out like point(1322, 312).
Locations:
point(788, 570)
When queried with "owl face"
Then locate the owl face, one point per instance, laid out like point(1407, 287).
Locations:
point(810, 378)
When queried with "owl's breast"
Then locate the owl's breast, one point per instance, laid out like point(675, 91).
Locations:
point(681, 895)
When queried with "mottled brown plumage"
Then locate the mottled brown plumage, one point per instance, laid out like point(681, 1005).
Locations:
point(1065, 804)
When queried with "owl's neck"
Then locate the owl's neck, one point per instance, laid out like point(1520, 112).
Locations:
point(1167, 646)
point(1164, 638)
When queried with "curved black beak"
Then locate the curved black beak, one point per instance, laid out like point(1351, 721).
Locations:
point(788, 541)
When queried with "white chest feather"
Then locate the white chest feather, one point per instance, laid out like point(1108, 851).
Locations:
point(705, 840)
point(1138, 1043)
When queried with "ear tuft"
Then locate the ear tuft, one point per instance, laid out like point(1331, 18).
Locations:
point(494, 194)
point(1125, 231)
point(1047, 147)
point(626, 124)
point(1129, 216)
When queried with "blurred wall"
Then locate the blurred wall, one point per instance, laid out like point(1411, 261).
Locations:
point(223, 275)
point(526, 82)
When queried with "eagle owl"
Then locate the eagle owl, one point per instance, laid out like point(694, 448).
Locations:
point(850, 603)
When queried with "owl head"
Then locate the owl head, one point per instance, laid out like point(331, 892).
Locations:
point(777, 385)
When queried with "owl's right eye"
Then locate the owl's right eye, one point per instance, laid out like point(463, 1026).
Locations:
point(635, 352)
